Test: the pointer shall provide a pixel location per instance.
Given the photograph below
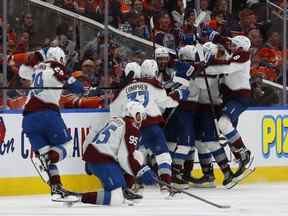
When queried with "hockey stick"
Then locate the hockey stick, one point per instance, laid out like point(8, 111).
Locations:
point(212, 105)
point(191, 195)
point(52, 88)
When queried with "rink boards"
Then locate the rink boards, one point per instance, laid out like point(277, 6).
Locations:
point(263, 129)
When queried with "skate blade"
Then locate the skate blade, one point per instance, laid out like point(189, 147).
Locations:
point(66, 199)
point(180, 186)
point(250, 168)
point(237, 180)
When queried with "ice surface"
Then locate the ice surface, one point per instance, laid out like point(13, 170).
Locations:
point(245, 200)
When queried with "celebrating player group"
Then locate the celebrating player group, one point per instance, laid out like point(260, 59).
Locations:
point(169, 108)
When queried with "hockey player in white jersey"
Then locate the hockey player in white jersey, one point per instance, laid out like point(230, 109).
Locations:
point(42, 122)
point(113, 152)
point(207, 135)
point(150, 93)
point(236, 91)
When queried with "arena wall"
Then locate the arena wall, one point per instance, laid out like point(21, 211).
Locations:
point(263, 129)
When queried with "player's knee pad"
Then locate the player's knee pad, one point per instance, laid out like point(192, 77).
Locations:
point(201, 148)
point(225, 125)
point(117, 197)
point(163, 158)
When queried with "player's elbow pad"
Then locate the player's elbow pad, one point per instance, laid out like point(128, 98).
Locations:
point(74, 86)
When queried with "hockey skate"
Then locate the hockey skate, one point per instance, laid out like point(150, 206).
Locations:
point(228, 180)
point(244, 164)
point(246, 168)
point(59, 194)
point(206, 181)
point(178, 181)
point(130, 195)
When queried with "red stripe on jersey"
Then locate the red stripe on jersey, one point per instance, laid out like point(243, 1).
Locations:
point(153, 120)
point(36, 105)
point(92, 155)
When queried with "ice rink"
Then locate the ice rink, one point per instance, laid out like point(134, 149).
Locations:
point(245, 200)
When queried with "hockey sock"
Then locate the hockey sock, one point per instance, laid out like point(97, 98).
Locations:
point(57, 154)
point(189, 164)
point(222, 160)
point(164, 166)
point(114, 197)
point(236, 144)
point(98, 198)
point(54, 174)
point(206, 163)
point(164, 172)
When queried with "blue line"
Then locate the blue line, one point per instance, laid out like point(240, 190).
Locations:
point(62, 111)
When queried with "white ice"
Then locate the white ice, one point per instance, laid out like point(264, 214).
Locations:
point(245, 200)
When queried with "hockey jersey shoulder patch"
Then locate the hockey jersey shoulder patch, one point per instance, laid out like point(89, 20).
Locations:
point(240, 57)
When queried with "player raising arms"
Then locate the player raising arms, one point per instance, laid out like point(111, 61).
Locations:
point(236, 91)
point(42, 122)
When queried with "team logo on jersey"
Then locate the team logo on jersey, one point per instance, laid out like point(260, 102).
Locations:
point(2, 130)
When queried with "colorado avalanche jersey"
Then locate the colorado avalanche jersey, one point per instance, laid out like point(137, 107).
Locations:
point(150, 94)
point(116, 142)
point(49, 74)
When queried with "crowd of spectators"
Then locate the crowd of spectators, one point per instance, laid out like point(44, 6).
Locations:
point(172, 27)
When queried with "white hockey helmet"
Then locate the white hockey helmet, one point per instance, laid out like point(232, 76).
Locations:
point(161, 52)
point(210, 47)
point(133, 67)
point(187, 53)
point(135, 110)
point(241, 42)
point(149, 68)
point(56, 54)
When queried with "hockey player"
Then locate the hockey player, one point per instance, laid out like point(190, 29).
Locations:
point(207, 135)
point(112, 153)
point(150, 93)
point(236, 91)
point(42, 122)
point(184, 152)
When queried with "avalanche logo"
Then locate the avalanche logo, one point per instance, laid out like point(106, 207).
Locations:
point(2, 130)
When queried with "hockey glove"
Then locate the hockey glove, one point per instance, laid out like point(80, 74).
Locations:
point(74, 86)
point(146, 176)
